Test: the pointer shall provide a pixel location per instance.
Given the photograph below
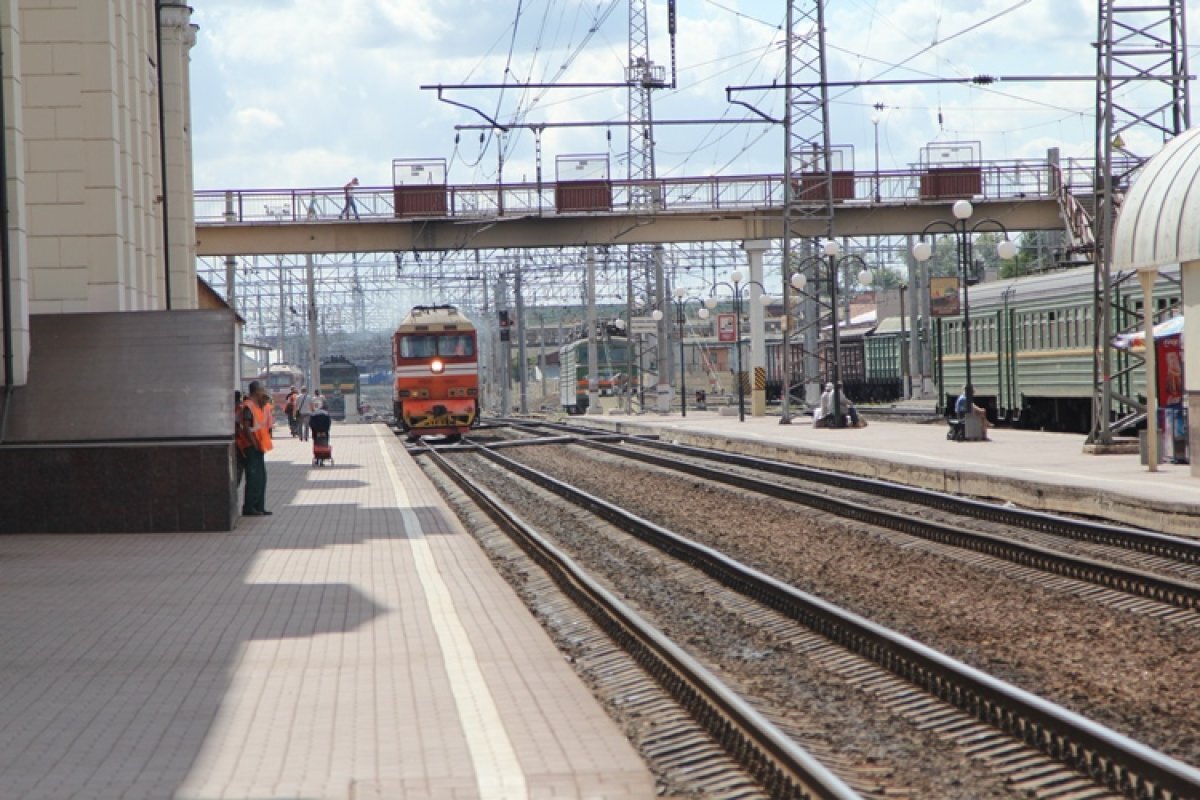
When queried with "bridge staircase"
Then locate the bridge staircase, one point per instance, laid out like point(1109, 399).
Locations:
point(1076, 207)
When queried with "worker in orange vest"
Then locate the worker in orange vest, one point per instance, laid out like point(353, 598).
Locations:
point(256, 430)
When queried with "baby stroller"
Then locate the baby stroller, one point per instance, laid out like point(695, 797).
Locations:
point(319, 423)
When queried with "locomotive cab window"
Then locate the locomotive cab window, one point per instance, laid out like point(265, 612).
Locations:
point(418, 346)
point(456, 346)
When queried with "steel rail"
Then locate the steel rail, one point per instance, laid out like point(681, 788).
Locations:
point(783, 768)
point(1133, 539)
point(1103, 755)
point(1170, 591)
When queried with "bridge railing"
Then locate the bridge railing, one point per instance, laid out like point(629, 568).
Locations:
point(993, 180)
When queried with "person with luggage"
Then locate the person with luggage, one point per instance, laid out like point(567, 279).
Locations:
point(320, 422)
point(965, 404)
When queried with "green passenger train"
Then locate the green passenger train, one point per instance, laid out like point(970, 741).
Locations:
point(1032, 346)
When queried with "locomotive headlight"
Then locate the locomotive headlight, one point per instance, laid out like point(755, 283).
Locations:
point(437, 367)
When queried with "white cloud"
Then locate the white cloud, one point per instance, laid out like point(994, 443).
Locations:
point(312, 91)
point(255, 120)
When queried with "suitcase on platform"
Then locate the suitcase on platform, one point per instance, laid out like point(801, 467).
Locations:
point(322, 450)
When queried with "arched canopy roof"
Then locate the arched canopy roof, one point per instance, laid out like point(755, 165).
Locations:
point(1160, 217)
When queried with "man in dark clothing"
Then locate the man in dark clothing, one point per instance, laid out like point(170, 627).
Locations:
point(239, 440)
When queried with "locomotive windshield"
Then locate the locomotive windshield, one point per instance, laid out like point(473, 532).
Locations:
point(433, 345)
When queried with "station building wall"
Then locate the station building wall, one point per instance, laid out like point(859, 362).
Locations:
point(87, 190)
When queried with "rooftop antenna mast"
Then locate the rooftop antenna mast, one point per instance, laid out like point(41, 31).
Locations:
point(1141, 88)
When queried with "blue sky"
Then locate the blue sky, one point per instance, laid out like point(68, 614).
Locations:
point(307, 93)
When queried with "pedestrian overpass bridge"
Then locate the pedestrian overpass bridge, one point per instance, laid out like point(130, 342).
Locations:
point(1020, 195)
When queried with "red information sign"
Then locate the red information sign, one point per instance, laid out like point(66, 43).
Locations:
point(726, 327)
point(1169, 370)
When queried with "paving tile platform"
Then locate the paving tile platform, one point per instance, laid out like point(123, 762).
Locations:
point(357, 644)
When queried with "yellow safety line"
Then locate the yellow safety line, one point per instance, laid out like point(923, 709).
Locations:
point(497, 769)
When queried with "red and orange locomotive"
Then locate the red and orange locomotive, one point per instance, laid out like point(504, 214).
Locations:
point(436, 364)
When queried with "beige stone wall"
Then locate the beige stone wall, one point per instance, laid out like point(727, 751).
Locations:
point(93, 161)
point(178, 38)
point(86, 190)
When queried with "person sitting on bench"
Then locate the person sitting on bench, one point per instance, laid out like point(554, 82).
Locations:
point(965, 402)
point(824, 416)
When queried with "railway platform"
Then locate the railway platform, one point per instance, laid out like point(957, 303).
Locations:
point(355, 645)
point(1044, 471)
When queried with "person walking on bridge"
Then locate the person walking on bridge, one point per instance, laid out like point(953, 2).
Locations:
point(349, 207)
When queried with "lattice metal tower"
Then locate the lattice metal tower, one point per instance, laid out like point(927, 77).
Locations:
point(643, 77)
point(1141, 88)
point(808, 191)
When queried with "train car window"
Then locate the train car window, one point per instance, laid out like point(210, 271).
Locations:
point(418, 346)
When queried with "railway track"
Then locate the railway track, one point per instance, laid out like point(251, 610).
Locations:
point(997, 717)
point(781, 767)
point(1168, 568)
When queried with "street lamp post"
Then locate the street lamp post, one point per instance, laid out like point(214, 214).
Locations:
point(738, 288)
point(680, 302)
point(634, 305)
point(799, 282)
point(963, 230)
